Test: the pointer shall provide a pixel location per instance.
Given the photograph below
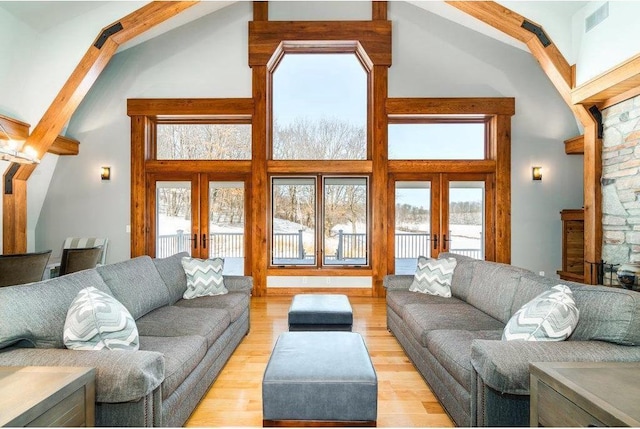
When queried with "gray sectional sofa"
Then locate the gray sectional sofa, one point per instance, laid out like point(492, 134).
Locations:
point(183, 343)
point(455, 343)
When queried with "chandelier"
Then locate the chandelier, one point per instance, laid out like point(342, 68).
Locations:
point(11, 150)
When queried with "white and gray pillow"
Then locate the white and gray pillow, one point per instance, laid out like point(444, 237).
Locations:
point(433, 276)
point(551, 316)
point(96, 321)
point(204, 277)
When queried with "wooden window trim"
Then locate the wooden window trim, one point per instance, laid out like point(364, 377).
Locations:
point(145, 115)
point(496, 166)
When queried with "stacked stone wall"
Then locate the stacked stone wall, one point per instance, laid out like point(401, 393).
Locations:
point(621, 185)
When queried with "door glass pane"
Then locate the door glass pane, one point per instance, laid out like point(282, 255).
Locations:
point(412, 225)
point(203, 141)
point(345, 221)
point(293, 221)
point(466, 219)
point(437, 141)
point(173, 218)
point(226, 225)
point(319, 107)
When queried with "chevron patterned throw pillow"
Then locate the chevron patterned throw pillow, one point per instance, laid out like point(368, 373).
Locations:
point(551, 316)
point(98, 321)
point(204, 277)
point(433, 276)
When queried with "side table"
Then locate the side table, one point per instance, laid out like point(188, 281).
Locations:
point(47, 396)
point(580, 394)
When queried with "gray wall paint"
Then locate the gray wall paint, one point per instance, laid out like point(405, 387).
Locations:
point(432, 57)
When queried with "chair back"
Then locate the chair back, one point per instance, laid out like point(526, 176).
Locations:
point(23, 268)
point(79, 259)
point(85, 242)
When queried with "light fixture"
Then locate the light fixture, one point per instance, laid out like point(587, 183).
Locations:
point(536, 173)
point(9, 151)
point(105, 173)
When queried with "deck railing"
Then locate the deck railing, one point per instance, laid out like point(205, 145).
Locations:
point(290, 245)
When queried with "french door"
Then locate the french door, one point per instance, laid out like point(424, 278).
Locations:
point(434, 213)
point(201, 215)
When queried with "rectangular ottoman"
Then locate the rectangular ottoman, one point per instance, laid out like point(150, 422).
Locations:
point(319, 379)
point(318, 312)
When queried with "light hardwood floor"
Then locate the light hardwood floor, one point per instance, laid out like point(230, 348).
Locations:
point(235, 398)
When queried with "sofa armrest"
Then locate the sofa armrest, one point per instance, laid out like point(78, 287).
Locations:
point(397, 281)
point(239, 283)
point(504, 365)
point(121, 376)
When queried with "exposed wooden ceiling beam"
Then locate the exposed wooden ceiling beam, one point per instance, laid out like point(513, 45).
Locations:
point(67, 101)
point(574, 145)
point(20, 131)
point(613, 86)
point(559, 72)
point(64, 146)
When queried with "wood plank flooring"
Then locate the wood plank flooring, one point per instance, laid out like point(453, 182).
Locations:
point(235, 398)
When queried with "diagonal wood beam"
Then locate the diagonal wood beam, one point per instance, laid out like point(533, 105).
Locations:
point(559, 72)
point(67, 101)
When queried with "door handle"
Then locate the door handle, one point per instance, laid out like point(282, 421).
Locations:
point(204, 241)
point(195, 241)
point(435, 241)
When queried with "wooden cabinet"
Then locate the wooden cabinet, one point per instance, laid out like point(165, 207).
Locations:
point(582, 394)
point(572, 245)
point(47, 396)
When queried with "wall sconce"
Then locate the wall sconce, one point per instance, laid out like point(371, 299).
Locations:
point(536, 173)
point(105, 173)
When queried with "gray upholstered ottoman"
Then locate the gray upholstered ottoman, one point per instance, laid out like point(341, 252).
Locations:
point(317, 312)
point(319, 378)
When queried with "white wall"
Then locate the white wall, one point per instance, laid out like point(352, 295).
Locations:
point(613, 41)
point(432, 57)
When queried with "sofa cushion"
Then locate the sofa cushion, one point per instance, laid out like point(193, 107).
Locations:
point(204, 277)
point(551, 316)
point(171, 271)
point(494, 287)
point(137, 284)
point(173, 321)
point(181, 356)
point(422, 318)
point(462, 275)
point(433, 276)
point(530, 286)
point(452, 348)
point(97, 321)
point(235, 303)
point(33, 315)
point(397, 299)
point(607, 314)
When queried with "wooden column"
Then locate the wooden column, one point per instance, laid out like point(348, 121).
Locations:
point(503, 188)
point(380, 178)
point(259, 183)
point(138, 185)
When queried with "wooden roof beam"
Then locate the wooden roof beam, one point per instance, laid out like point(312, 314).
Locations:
point(20, 131)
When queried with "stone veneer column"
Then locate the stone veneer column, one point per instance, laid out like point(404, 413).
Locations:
point(621, 185)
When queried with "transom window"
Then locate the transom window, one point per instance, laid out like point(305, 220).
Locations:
point(436, 140)
point(214, 141)
point(319, 107)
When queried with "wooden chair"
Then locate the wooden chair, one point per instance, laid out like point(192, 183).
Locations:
point(23, 268)
point(79, 259)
